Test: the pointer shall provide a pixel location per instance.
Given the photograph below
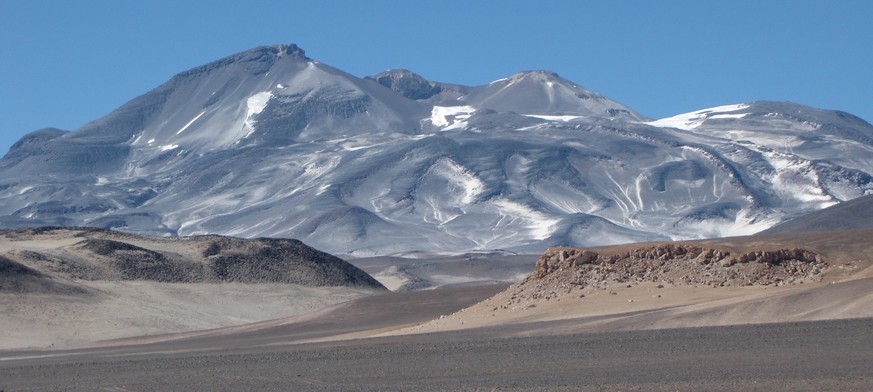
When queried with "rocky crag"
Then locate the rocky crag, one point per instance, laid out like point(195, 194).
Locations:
point(560, 271)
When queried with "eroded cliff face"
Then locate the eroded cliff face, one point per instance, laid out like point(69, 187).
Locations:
point(574, 272)
point(680, 264)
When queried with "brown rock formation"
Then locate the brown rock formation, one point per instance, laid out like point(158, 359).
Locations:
point(680, 264)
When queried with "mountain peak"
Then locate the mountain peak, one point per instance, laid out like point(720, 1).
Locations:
point(259, 59)
point(406, 83)
point(544, 92)
point(536, 73)
point(279, 50)
point(291, 50)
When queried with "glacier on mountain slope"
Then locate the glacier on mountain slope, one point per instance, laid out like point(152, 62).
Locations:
point(271, 143)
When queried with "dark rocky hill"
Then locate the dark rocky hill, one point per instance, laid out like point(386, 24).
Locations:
point(66, 256)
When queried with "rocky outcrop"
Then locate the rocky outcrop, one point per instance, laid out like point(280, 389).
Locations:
point(406, 83)
point(681, 264)
point(573, 272)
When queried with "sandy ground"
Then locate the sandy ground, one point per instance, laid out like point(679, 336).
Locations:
point(645, 306)
point(272, 356)
point(135, 308)
point(811, 336)
point(432, 271)
point(124, 309)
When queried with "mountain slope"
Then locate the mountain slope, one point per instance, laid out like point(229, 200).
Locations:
point(851, 215)
point(270, 143)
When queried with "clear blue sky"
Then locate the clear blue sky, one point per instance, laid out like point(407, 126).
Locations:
point(68, 62)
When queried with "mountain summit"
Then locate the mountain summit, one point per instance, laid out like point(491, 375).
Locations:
point(544, 92)
point(271, 143)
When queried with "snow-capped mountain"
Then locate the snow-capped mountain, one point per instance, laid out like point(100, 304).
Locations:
point(269, 142)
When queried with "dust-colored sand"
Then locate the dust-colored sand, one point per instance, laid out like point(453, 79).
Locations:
point(124, 309)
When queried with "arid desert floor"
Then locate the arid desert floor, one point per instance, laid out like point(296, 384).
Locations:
point(805, 334)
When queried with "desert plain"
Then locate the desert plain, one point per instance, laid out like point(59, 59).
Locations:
point(743, 321)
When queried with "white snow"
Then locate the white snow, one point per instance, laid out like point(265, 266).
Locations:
point(540, 226)
point(444, 116)
point(151, 141)
point(190, 122)
point(689, 121)
point(254, 106)
point(348, 147)
point(548, 117)
point(318, 165)
point(169, 147)
point(460, 179)
point(737, 115)
point(744, 224)
point(498, 81)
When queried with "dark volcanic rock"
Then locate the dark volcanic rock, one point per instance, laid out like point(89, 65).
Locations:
point(280, 261)
point(218, 259)
point(9, 268)
point(407, 84)
point(18, 278)
point(136, 263)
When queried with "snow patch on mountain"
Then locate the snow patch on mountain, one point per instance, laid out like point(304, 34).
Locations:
point(538, 224)
point(184, 127)
point(692, 120)
point(461, 182)
point(743, 224)
point(254, 106)
point(451, 117)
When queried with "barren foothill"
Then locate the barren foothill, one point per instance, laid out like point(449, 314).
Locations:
point(67, 287)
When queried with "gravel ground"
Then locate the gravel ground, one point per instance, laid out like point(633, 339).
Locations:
point(814, 356)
